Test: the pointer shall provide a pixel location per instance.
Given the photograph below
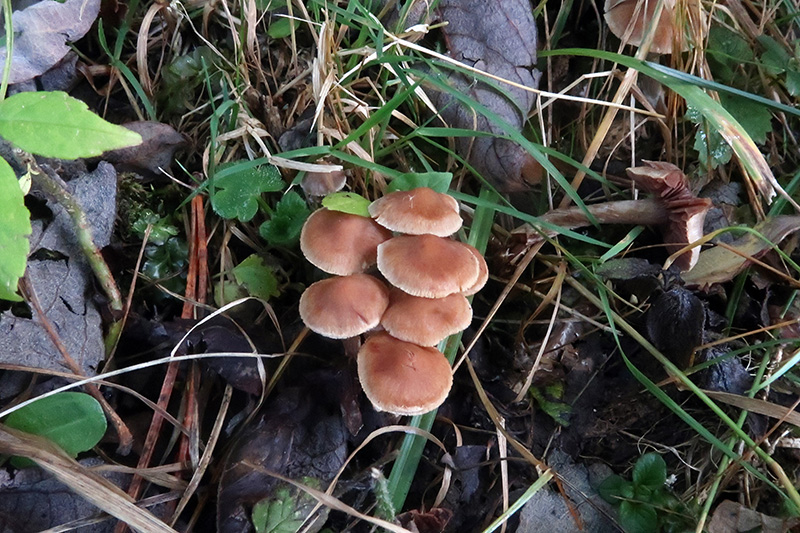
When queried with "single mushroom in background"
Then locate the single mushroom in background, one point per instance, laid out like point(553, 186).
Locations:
point(340, 243)
point(428, 266)
point(403, 378)
point(674, 208)
point(417, 212)
point(686, 212)
point(425, 321)
point(628, 19)
point(344, 306)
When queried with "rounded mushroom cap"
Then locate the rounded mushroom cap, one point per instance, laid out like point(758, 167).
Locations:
point(428, 266)
point(483, 273)
point(425, 321)
point(401, 377)
point(628, 19)
point(417, 212)
point(344, 306)
point(341, 243)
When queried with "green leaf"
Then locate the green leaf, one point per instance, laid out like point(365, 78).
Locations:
point(283, 229)
point(754, 117)
point(72, 420)
point(347, 202)
point(650, 471)
point(54, 124)
point(15, 227)
point(712, 148)
point(726, 51)
point(793, 77)
point(551, 400)
point(613, 488)
point(438, 181)
point(257, 277)
point(285, 511)
point(280, 28)
point(775, 57)
point(238, 190)
point(638, 517)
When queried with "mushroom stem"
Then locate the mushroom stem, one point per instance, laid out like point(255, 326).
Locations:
point(649, 211)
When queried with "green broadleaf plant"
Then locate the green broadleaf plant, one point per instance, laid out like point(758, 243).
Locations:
point(257, 277)
point(51, 124)
point(237, 192)
point(14, 232)
point(283, 229)
point(73, 420)
point(347, 202)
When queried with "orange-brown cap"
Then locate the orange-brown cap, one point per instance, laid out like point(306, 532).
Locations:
point(417, 212)
point(628, 20)
point(344, 306)
point(425, 321)
point(401, 377)
point(483, 273)
point(428, 266)
point(341, 243)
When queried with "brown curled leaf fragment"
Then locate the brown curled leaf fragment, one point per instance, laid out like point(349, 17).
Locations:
point(499, 38)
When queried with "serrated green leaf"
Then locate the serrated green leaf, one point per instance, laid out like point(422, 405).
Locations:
point(347, 202)
point(650, 471)
point(775, 57)
point(711, 146)
point(612, 488)
point(637, 517)
point(438, 181)
point(283, 229)
point(257, 277)
point(285, 511)
point(72, 420)
point(550, 399)
point(15, 227)
point(54, 124)
point(237, 190)
point(754, 117)
point(726, 51)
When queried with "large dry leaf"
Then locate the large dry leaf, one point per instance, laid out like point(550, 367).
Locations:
point(41, 34)
point(497, 37)
point(720, 264)
point(63, 282)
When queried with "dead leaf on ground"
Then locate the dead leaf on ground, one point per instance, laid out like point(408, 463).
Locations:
point(63, 283)
point(732, 517)
point(499, 38)
point(41, 34)
point(159, 144)
point(719, 264)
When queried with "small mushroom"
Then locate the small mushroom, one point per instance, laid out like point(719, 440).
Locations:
point(685, 212)
point(341, 243)
point(425, 321)
point(417, 212)
point(428, 266)
point(344, 306)
point(323, 183)
point(628, 19)
point(401, 377)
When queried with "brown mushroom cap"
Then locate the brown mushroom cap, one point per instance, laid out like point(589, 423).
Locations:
point(417, 212)
point(483, 273)
point(341, 243)
point(344, 306)
point(628, 19)
point(425, 321)
point(401, 377)
point(428, 266)
point(685, 211)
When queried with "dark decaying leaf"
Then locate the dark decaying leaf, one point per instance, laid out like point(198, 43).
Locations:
point(63, 282)
point(299, 436)
point(719, 264)
point(497, 37)
point(675, 324)
point(432, 521)
point(159, 143)
point(41, 34)
point(733, 517)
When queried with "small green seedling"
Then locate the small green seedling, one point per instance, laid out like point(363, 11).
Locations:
point(286, 510)
point(645, 504)
point(73, 420)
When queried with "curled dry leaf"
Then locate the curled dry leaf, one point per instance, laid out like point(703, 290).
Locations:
point(499, 38)
point(41, 34)
point(721, 264)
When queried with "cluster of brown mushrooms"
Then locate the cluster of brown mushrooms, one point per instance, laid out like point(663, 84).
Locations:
point(423, 299)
